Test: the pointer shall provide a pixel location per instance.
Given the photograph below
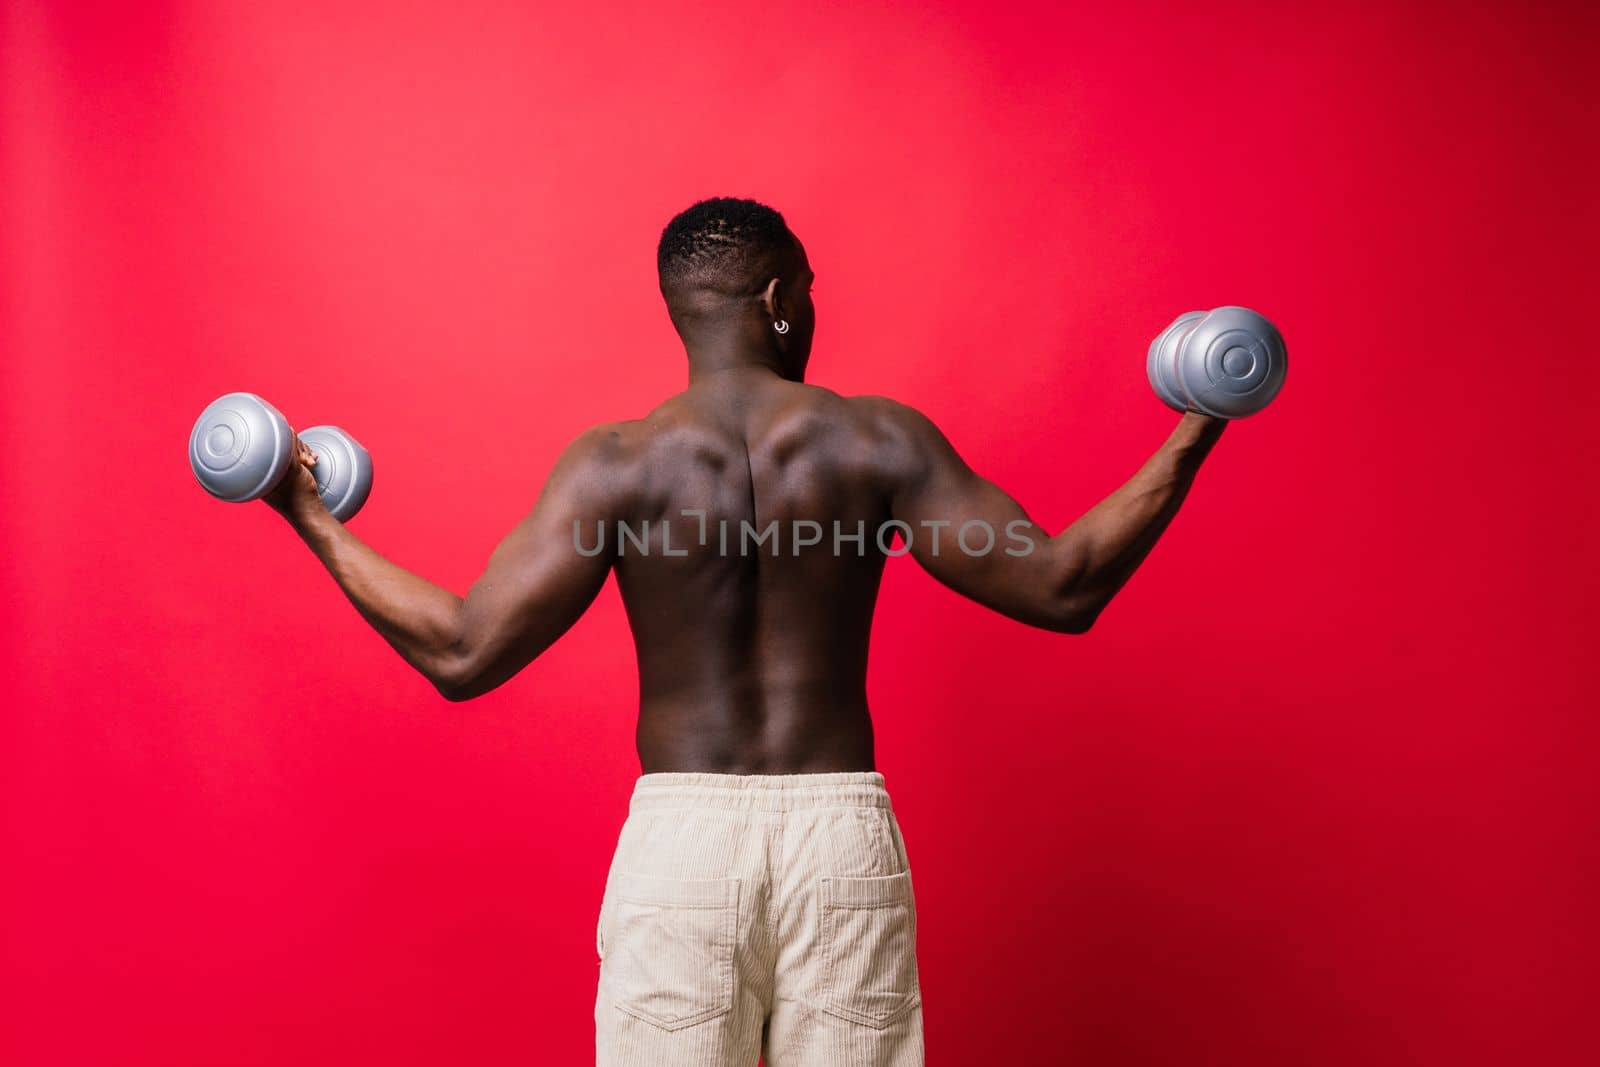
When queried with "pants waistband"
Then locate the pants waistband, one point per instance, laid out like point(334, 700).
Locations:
point(759, 792)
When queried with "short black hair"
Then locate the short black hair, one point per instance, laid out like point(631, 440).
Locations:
point(718, 242)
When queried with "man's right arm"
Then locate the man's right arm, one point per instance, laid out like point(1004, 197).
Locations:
point(1059, 583)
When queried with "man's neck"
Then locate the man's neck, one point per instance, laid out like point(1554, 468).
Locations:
point(730, 355)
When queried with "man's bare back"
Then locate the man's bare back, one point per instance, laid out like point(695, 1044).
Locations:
point(748, 520)
point(753, 656)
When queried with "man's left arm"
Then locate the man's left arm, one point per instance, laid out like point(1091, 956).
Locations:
point(534, 587)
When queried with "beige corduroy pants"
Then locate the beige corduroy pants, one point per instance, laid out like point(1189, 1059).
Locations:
point(750, 915)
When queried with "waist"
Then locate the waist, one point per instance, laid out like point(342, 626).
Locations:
point(758, 792)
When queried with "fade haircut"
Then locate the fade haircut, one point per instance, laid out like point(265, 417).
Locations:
point(720, 244)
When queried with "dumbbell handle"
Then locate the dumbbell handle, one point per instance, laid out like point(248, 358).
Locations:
point(343, 469)
point(241, 447)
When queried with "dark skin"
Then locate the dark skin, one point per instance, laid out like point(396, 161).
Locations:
point(752, 662)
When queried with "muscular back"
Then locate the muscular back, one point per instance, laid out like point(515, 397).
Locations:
point(752, 644)
point(743, 518)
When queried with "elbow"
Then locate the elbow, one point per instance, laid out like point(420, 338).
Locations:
point(1073, 620)
point(1077, 599)
point(456, 678)
point(1076, 613)
point(1074, 624)
point(462, 677)
point(455, 694)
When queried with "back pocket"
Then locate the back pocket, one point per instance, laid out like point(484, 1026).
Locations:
point(668, 947)
point(869, 945)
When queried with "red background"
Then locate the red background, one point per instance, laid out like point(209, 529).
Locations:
point(1318, 789)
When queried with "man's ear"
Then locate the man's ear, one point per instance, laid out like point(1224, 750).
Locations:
point(770, 298)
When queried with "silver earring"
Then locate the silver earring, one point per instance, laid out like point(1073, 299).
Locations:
point(781, 326)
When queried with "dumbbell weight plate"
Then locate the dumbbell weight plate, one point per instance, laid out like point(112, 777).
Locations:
point(239, 447)
point(1161, 364)
point(1232, 363)
point(343, 469)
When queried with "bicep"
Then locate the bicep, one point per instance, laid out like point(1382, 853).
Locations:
point(539, 579)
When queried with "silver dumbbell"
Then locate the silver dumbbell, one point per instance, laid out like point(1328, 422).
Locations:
point(1228, 362)
point(240, 449)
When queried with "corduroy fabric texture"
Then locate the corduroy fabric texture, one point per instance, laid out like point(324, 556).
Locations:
point(758, 915)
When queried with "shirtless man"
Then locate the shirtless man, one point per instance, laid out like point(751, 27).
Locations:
point(759, 900)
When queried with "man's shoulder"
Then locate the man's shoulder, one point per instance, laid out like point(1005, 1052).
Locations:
point(892, 419)
point(884, 407)
point(663, 430)
point(874, 425)
point(607, 441)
